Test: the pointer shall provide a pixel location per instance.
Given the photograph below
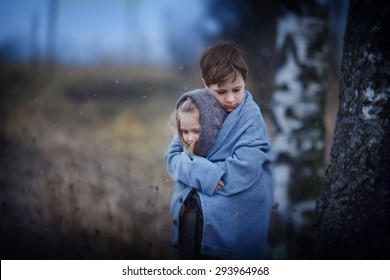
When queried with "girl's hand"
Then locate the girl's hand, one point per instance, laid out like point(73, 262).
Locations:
point(219, 186)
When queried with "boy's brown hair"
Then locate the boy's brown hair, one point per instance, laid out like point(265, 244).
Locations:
point(222, 60)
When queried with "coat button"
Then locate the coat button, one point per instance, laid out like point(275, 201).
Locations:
point(175, 222)
point(180, 199)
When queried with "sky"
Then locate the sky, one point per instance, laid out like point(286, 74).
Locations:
point(118, 30)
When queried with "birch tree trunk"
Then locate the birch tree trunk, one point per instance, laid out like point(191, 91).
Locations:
point(353, 212)
point(297, 109)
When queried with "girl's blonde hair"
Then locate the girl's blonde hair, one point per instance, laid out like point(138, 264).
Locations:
point(188, 106)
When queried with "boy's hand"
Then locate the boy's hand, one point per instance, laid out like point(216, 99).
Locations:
point(219, 186)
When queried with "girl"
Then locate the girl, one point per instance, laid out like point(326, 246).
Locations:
point(198, 117)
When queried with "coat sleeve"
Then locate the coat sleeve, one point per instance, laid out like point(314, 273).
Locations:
point(194, 171)
point(250, 155)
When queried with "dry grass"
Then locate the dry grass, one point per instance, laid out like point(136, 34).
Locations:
point(85, 177)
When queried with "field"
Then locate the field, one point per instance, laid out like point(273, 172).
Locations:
point(82, 171)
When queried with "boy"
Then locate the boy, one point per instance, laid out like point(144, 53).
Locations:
point(236, 217)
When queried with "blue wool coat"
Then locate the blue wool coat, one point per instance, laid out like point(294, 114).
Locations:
point(236, 218)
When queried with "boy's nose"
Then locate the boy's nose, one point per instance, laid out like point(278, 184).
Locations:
point(230, 98)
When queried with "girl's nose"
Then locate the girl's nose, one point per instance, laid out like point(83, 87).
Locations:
point(191, 138)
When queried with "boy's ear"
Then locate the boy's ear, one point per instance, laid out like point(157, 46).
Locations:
point(204, 83)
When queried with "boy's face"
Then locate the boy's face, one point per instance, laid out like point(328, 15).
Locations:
point(230, 93)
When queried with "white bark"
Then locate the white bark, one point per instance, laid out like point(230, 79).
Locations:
point(297, 109)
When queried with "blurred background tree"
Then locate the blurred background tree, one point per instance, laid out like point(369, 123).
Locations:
point(297, 108)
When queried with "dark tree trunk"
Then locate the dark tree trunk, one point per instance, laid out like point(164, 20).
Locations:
point(352, 214)
point(52, 19)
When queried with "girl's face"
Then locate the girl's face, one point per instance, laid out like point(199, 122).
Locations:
point(189, 127)
point(230, 93)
